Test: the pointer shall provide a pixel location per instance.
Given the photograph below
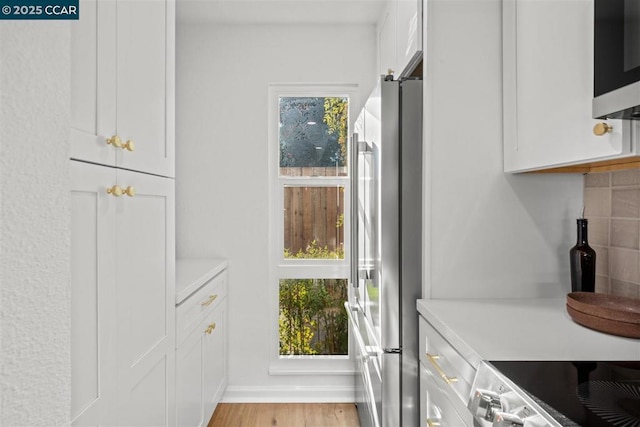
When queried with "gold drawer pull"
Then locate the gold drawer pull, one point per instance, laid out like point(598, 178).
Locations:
point(210, 328)
point(211, 299)
point(431, 423)
point(432, 358)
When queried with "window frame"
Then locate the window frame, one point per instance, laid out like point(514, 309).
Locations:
point(287, 268)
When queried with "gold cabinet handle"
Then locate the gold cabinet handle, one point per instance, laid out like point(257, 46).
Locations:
point(431, 423)
point(129, 191)
point(115, 141)
point(211, 299)
point(129, 145)
point(601, 129)
point(447, 379)
point(210, 328)
point(115, 191)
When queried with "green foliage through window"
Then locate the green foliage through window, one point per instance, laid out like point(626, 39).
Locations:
point(312, 316)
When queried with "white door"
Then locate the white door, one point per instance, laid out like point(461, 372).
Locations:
point(93, 278)
point(146, 300)
point(145, 64)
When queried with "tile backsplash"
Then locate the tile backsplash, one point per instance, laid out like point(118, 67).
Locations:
point(612, 206)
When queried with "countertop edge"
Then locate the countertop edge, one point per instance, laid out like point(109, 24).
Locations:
point(465, 350)
point(521, 329)
point(192, 273)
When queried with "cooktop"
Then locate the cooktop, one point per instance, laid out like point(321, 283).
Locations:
point(586, 393)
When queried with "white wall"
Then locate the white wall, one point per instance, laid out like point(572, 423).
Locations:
point(488, 234)
point(34, 223)
point(223, 73)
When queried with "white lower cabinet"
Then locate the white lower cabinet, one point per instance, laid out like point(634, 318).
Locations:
point(445, 381)
point(201, 360)
point(435, 407)
point(122, 297)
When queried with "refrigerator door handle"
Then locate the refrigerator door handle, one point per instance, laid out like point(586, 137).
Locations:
point(354, 210)
point(367, 350)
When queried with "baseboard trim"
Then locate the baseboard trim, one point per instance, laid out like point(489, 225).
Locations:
point(292, 394)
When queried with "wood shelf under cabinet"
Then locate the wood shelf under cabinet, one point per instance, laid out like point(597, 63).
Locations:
point(632, 162)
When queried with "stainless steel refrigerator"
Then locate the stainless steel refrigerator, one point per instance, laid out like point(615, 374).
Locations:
point(386, 242)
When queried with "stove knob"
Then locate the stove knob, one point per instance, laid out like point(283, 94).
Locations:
point(485, 403)
point(503, 419)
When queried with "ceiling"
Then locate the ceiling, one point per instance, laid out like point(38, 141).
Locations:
point(278, 11)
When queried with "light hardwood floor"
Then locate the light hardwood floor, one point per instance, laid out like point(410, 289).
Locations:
point(285, 415)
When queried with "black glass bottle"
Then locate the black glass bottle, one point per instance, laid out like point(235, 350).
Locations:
point(583, 262)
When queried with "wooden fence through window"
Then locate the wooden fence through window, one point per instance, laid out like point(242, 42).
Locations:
point(313, 213)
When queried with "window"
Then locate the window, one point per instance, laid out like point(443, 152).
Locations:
point(309, 146)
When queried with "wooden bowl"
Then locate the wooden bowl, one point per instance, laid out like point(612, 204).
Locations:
point(605, 313)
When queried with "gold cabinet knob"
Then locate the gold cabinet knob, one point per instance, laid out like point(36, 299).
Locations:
point(129, 191)
point(129, 145)
point(431, 423)
point(601, 128)
point(115, 141)
point(210, 328)
point(115, 191)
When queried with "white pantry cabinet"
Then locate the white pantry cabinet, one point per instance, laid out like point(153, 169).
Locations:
point(122, 293)
point(123, 84)
point(201, 347)
point(399, 37)
point(93, 296)
point(548, 88)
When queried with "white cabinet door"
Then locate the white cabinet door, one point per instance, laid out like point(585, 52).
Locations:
point(146, 300)
point(548, 87)
point(386, 32)
point(215, 358)
point(189, 380)
point(123, 74)
point(145, 92)
point(93, 83)
point(93, 280)
point(409, 35)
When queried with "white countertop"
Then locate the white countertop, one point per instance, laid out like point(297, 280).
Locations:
point(192, 273)
point(521, 329)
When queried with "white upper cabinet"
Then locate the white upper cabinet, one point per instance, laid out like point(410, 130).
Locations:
point(123, 91)
point(409, 35)
point(386, 33)
point(93, 87)
point(548, 88)
point(399, 33)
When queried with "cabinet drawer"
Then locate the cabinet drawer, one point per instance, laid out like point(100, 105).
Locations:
point(436, 352)
point(199, 305)
point(436, 409)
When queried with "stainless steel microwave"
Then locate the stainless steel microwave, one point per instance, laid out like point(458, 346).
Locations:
point(616, 59)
